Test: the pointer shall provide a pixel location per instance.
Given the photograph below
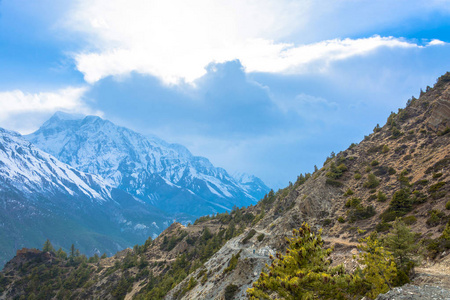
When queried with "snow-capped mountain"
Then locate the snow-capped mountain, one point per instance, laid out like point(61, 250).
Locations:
point(165, 175)
point(41, 197)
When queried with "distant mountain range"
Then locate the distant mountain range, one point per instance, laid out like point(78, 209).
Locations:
point(165, 175)
point(41, 197)
point(86, 181)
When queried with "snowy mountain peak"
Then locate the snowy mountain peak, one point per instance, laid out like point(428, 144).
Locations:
point(26, 167)
point(166, 175)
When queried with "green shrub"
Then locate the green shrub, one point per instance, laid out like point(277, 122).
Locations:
point(372, 181)
point(349, 192)
point(447, 205)
point(260, 237)
point(409, 220)
point(230, 291)
point(353, 202)
point(383, 227)
point(436, 187)
point(407, 157)
point(336, 172)
point(204, 279)
point(381, 197)
point(396, 133)
point(374, 163)
point(391, 171)
point(368, 169)
point(422, 182)
point(404, 181)
point(371, 198)
point(250, 234)
point(389, 216)
point(360, 213)
point(440, 165)
point(401, 202)
point(419, 197)
point(233, 262)
point(357, 176)
point(385, 149)
point(333, 182)
point(341, 219)
point(435, 217)
point(437, 175)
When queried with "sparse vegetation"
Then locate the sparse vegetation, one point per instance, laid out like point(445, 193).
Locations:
point(435, 217)
point(233, 263)
point(349, 192)
point(372, 181)
point(381, 197)
point(260, 237)
point(249, 235)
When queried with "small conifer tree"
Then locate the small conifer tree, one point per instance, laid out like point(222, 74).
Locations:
point(305, 273)
point(402, 243)
point(48, 247)
point(379, 270)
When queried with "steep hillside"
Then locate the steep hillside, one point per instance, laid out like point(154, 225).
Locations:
point(41, 197)
point(400, 170)
point(165, 175)
point(146, 272)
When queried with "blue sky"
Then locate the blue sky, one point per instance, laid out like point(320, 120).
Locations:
point(264, 87)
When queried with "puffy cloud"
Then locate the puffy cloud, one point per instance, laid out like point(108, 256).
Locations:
point(24, 112)
point(176, 40)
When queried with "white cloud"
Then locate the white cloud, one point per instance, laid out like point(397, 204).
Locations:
point(22, 111)
point(175, 40)
point(436, 42)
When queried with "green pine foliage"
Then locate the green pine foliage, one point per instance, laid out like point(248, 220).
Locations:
point(305, 273)
point(380, 271)
point(48, 247)
point(402, 243)
point(372, 181)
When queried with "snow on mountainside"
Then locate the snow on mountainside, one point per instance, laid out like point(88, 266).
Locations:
point(30, 169)
point(165, 175)
point(42, 197)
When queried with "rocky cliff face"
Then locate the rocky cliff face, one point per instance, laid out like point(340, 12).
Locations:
point(400, 170)
point(165, 175)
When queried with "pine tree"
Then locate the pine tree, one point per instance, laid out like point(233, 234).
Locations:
point(72, 251)
point(305, 273)
point(61, 254)
point(379, 270)
point(402, 243)
point(48, 247)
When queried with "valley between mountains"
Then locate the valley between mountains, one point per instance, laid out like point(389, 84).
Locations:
point(399, 172)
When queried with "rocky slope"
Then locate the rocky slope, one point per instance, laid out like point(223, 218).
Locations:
point(41, 197)
point(400, 170)
point(165, 175)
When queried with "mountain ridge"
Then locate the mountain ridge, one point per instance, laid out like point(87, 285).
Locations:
point(165, 175)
